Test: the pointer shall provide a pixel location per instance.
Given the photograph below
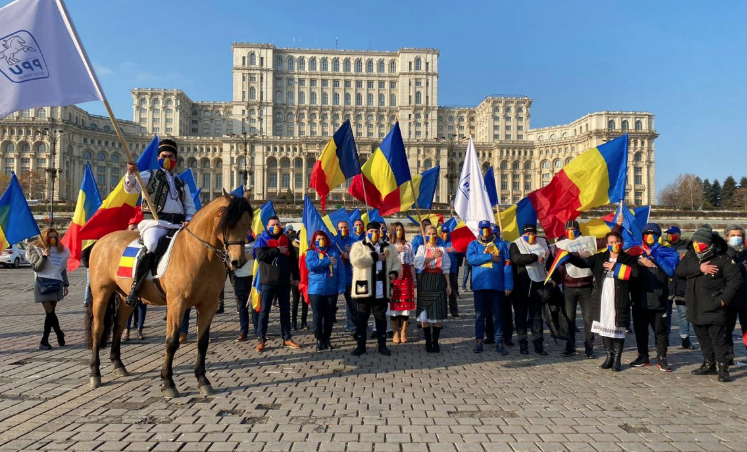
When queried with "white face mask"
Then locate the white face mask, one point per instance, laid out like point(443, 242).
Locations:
point(735, 241)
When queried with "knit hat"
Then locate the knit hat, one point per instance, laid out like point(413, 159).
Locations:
point(373, 225)
point(483, 224)
point(529, 228)
point(704, 234)
point(572, 224)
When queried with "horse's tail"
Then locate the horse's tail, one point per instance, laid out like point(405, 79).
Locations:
point(108, 321)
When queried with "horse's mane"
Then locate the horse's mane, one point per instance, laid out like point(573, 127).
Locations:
point(233, 212)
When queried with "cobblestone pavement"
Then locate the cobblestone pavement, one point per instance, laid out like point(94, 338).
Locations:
point(286, 400)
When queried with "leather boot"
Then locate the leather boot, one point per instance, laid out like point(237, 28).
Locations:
point(361, 348)
point(44, 344)
point(143, 267)
point(383, 350)
point(403, 331)
point(319, 341)
point(436, 336)
point(428, 333)
point(723, 373)
point(57, 329)
point(617, 351)
point(607, 364)
point(707, 368)
point(539, 347)
point(524, 347)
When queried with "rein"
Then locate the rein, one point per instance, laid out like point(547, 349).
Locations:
point(221, 254)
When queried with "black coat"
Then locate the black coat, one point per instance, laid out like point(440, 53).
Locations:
point(677, 286)
point(706, 292)
point(622, 287)
point(519, 261)
point(739, 302)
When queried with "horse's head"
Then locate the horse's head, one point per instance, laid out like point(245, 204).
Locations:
point(234, 226)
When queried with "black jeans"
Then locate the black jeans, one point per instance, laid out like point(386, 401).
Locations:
point(508, 317)
point(364, 312)
point(352, 308)
point(304, 307)
point(528, 312)
point(642, 320)
point(712, 340)
point(575, 296)
point(731, 323)
point(268, 292)
point(454, 282)
point(323, 311)
point(242, 287)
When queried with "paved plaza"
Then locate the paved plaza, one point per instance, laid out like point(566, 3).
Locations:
point(286, 400)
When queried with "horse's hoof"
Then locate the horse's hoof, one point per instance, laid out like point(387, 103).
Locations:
point(170, 393)
point(121, 372)
point(206, 390)
point(94, 382)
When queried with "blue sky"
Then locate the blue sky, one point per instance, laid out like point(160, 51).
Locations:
point(684, 61)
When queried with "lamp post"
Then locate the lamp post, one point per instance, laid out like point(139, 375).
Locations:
point(245, 172)
point(51, 170)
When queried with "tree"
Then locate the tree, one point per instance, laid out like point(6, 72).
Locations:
point(743, 182)
point(727, 191)
point(669, 196)
point(685, 192)
point(715, 193)
point(34, 184)
point(739, 200)
point(707, 191)
point(4, 182)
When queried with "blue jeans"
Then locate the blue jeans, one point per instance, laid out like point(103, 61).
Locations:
point(489, 300)
point(685, 326)
point(350, 309)
point(323, 314)
point(185, 322)
point(282, 292)
point(140, 310)
point(466, 276)
point(242, 288)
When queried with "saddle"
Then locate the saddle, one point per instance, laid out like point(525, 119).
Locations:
point(129, 260)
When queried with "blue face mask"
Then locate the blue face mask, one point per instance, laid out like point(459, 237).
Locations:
point(735, 241)
point(321, 244)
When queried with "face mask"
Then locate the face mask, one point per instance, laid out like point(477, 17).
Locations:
point(274, 230)
point(699, 247)
point(359, 229)
point(530, 239)
point(486, 232)
point(650, 239)
point(671, 238)
point(383, 233)
point(399, 233)
point(344, 232)
point(168, 163)
point(735, 241)
point(53, 242)
point(321, 243)
point(373, 237)
point(432, 239)
point(614, 248)
point(573, 234)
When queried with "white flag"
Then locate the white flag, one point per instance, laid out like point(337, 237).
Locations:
point(41, 60)
point(472, 202)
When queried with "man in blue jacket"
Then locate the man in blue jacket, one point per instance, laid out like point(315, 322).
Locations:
point(508, 315)
point(359, 230)
point(651, 296)
point(344, 241)
point(491, 277)
point(453, 270)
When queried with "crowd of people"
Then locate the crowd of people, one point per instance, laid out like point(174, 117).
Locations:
point(378, 271)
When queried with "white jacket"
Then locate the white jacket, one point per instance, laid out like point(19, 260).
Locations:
point(363, 270)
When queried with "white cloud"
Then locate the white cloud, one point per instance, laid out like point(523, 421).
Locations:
point(101, 70)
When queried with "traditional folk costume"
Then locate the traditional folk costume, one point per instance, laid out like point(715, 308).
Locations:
point(432, 304)
point(402, 303)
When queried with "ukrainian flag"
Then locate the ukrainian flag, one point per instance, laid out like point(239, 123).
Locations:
point(384, 175)
point(89, 201)
point(337, 163)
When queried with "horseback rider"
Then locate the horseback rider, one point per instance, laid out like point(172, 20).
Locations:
point(172, 201)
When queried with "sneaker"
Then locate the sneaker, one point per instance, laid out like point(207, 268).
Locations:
point(663, 364)
point(500, 349)
point(478, 348)
point(640, 361)
point(45, 346)
point(590, 354)
point(568, 352)
point(686, 344)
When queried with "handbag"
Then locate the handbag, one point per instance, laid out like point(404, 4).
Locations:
point(48, 285)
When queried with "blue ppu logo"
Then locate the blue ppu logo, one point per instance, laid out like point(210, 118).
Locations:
point(21, 59)
point(464, 186)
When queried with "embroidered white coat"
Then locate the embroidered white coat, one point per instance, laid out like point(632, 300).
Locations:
point(363, 274)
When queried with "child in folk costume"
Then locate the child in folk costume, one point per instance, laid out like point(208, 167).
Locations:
point(433, 288)
point(610, 299)
point(403, 288)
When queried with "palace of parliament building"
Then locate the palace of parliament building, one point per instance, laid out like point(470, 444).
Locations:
point(286, 105)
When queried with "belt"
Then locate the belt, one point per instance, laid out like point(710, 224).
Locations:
point(174, 218)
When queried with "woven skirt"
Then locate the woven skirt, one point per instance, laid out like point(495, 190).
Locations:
point(403, 293)
point(432, 306)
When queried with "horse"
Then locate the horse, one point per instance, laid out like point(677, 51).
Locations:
point(202, 253)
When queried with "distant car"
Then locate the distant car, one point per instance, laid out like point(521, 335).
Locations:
point(14, 256)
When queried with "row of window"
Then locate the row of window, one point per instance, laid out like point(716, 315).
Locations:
point(292, 64)
point(25, 147)
point(624, 125)
point(370, 84)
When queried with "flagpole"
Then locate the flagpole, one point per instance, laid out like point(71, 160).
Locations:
point(417, 209)
point(500, 221)
point(92, 74)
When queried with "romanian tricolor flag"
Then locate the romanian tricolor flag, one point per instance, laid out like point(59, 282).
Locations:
point(16, 220)
point(333, 218)
point(254, 294)
point(384, 175)
point(622, 271)
point(89, 201)
point(434, 218)
point(594, 178)
point(3, 243)
point(633, 224)
point(261, 217)
point(561, 258)
point(119, 207)
point(515, 217)
point(312, 222)
point(127, 262)
point(461, 236)
point(337, 163)
point(425, 189)
point(372, 215)
point(188, 178)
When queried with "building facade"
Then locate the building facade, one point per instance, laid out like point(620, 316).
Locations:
point(287, 103)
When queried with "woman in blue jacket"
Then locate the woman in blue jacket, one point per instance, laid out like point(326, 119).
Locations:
point(326, 282)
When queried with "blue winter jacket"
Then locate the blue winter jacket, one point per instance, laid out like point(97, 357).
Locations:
point(342, 243)
point(453, 257)
point(320, 282)
point(496, 276)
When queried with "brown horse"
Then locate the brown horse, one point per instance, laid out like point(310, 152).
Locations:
point(212, 241)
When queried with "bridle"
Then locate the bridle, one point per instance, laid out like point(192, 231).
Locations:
point(221, 254)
